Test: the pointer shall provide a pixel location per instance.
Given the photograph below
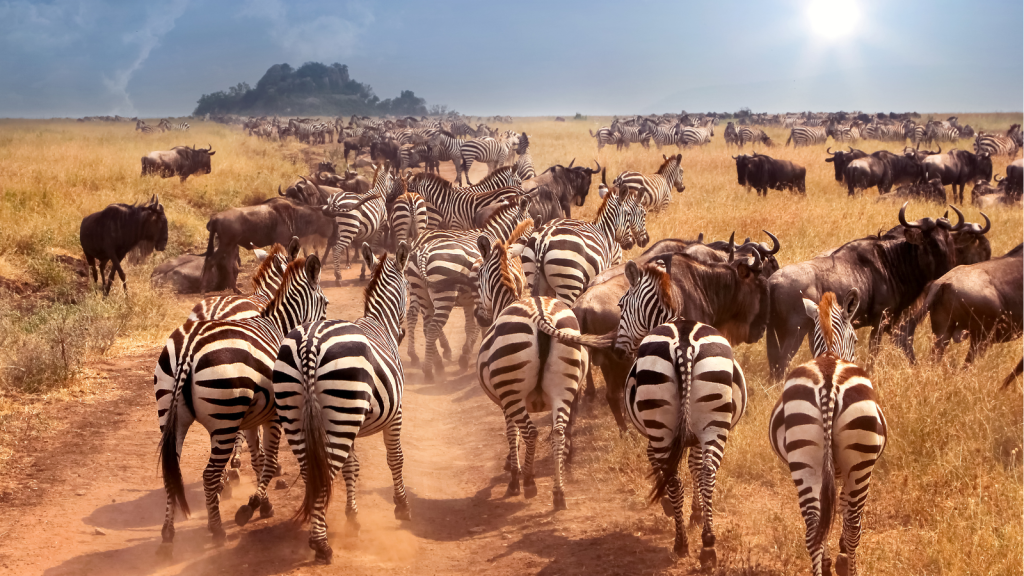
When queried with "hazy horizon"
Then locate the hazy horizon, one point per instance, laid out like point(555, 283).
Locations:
point(71, 58)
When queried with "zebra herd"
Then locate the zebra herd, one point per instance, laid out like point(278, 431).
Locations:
point(683, 131)
point(272, 363)
point(165, 125)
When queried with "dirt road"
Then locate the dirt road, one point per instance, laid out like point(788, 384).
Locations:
point(92, 501)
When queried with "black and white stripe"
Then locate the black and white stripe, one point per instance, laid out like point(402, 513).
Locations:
point(494, 152)
point(335, 381)
point(167, 126)
point(561, 258)
point(605, 137)
point(692, 136)
point(750, 135)
point(826, 424)
point(219, 374)
point(654, 191)
point(684, 391)
point(360, 217)
point(995, 145)
point(807, 136)
point(141, 126)
point(450, 149)
point(524, 163)
point(456, 207)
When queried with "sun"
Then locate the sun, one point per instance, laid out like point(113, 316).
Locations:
point(833, 20)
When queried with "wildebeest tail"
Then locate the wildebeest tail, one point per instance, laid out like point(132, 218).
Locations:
point(211, 228)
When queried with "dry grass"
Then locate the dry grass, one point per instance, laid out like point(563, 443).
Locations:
point(947, 496)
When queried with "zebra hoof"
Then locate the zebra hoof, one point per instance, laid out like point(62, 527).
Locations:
point(681, 548)
point(842, 565)
point(165, 550)
point(243, 515)
point(219, 536)
point(529, 488)
point(428, 377)
point(236, 462)
point(277, 471)
point(666, 506)
point(708, 559)
point(403, 512)
point(826, 566)
point(266, 510)
point(233, 476)
point(352, 527)
point(226, 491)
point(559, 501)
point(324, 554)
point(447, 355)
point(513, 488)
point(464, 361)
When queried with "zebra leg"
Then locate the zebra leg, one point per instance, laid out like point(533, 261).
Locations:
point(396, 462)
point(350, 471)
point(432, 329)
point(469, 350)
point(529, 432)
point(411, 318)
point(512, 460)
point(846, 560)
point(709, 471)
point(673, 504)
point(220, 452)
point(693, 463)
point(337, 259)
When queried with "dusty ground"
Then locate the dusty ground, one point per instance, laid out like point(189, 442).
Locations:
point(91, 499)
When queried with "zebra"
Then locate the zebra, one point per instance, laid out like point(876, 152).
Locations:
point(691, 136)
point(219, 373)
point(604, 136)
point(731, 135)
point(995, 144)
point(532, 358)
point(141, 126)
point(524, 162)
point(456, 207)
point(562, 257)
point(684, 390)
point(752, 135)
point(335, 381)
point(450, 149)
point(664, 135)
point(167, 126)
point(359, 217)
point(408, 218)
point(807, 136)
point(438, 273)
point(654, 190)
point(829, 402)
point(626, 135)
point(493, 152)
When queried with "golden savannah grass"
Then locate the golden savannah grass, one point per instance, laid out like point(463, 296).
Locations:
point(947, 494)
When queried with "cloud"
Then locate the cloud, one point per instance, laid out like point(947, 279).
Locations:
point(159, 21)
point(323, 37)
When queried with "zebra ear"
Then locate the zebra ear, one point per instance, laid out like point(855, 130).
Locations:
point(483, 245)
point(367, 253)
point(810, 308)
point(851, 303)
point(293, 248)
point(313, 269)
point(632, 273)
point(402, 255)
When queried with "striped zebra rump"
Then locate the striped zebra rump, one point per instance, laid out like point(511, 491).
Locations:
point(691, 136)
point(604, 137)
point(493, 152)
point(219, 373)
point(654, 190)
point(995, 145)
point(807, 136)
point(408, 218)
point(458, 208)
point(827, 426)
point(335, 381)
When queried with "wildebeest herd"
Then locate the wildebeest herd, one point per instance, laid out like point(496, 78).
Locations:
point(555, 301)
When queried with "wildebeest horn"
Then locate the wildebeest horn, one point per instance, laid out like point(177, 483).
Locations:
point(775, 241)
point(997, 178)
point(571, 163)
point(940, 149)
point(959, 215)
point(732, 245)
point(988, 224)
point(700, 238)
point(851, 148)
point(829, 151)
point(279, 190)
point(735, 157)
point(598, 169)
point(903, 217)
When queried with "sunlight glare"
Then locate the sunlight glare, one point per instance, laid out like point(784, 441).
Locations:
point(833, 19)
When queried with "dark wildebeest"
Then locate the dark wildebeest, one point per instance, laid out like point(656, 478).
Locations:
point(983, 301)
point(307, 192)
point(764, 172)
point(568, 186)
point(958, 167)
point(1015, 178)
point(732, 296)
point(882, 169)
point(179, 161)
point(890, 272)
point(840, 160)
point(930, 191)
point(111, 233)
point(273, 221)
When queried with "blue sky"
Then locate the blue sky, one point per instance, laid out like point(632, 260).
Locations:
point(87, 57)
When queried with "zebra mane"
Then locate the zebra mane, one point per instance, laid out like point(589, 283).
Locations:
point(601, 208)
point(825, 307)
point(493, 175)
point(440, 180)
point(266, 266)
point(371, 286)
point(525, 227)
point(295, 268)
point(665, 165)
point(668, 293)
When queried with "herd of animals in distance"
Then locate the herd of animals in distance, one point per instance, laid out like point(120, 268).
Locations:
point(554, 301)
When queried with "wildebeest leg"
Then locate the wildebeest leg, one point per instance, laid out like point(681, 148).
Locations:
point(782, 346)
point(615, 373)
point(92, 267)
point(116, 266)
point(977, 349)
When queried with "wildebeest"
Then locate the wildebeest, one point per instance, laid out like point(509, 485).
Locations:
point(184, 274)
point(983, 301)
point(568, 186)
point(931, 191)
point(889, 271)
point(1015, 178)
point(762, 172)
point(732, 296)
point(841, 159)
point(274, 221)
point(111, 233)
point(958, 167)
point(180, 161)
point(882, 169)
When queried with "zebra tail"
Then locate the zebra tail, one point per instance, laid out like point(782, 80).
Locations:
point(827, 498)
point(318, 466)
point(573, 337)
point(669, 466)
point(170, 466)
point(788, 140)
